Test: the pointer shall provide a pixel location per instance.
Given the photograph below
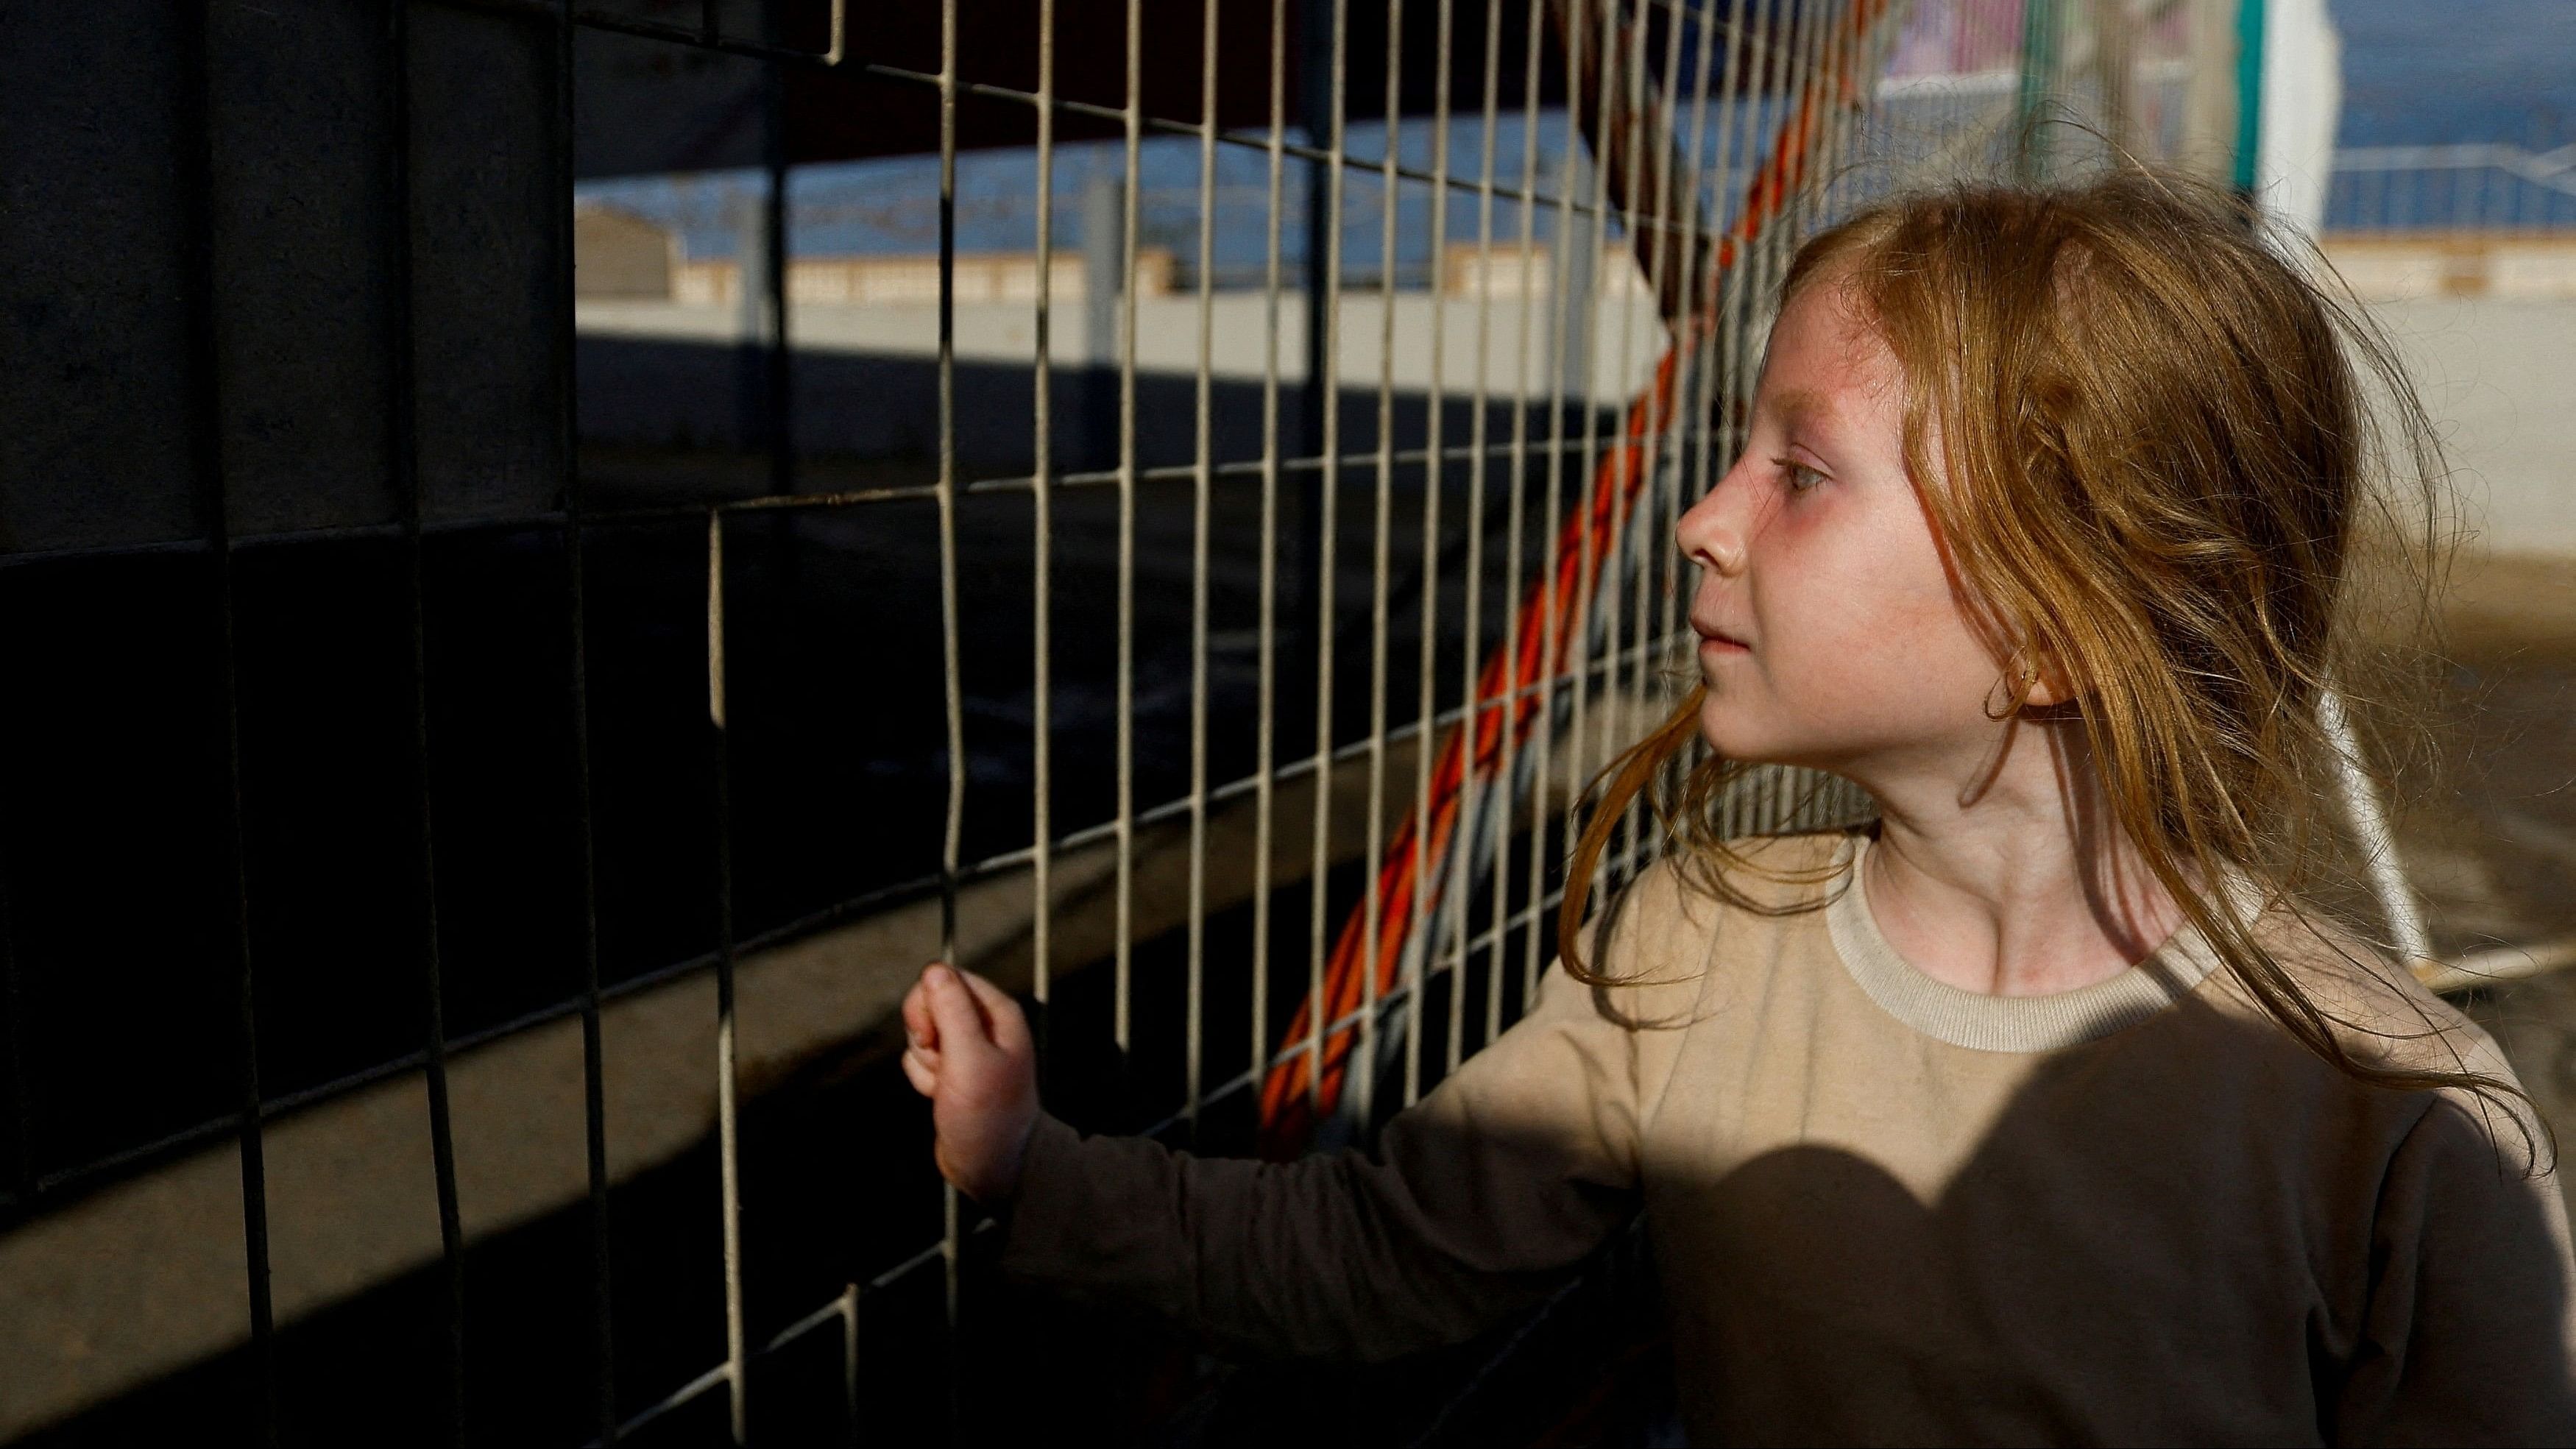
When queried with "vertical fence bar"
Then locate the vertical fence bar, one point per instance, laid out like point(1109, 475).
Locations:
point(850, 1363)
point(1471, 631)
point(1688, 342)
point(1200, 478)
point(1821, 120)
point(2368, 819)
point(1840, 65)
point(1764, 244)
point(1670, 459)
point(1797, 110)
point(1817, 32)
point(1435, 469)
point(1329, 467)
point(779, 403)
point(1316, 109)
point(1562, 314)
point(1371, 889)
point(953, 718)
point(1855, 77)
point(1647, 122)
point(1765, 66)
point(1472, 696)
point(403, 454)
point(1748, 60)
point(1133, 119)
point(1730, 380)
point(2037, 92)
point(1753, 228)
point(728, 1124)
point(1780, 237)
point(1498, 961)
point(1870, 49)
point(1644, 123)
point(1604, 458)
point(208, 467)
point(1578, 748)
point(13, 1007)
point(594, 1088)
point(1265, 736)
point(1842, 57)
point(1707, 198)
point(1042, 543)
point(1649, 112)
point(1769, 67)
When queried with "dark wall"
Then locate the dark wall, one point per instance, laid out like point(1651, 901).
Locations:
point(98, 118)
point(631, 127)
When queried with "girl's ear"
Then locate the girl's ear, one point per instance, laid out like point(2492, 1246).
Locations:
point(2033, 681)
point(2049, 684)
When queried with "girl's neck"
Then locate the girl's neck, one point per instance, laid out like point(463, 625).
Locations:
point(2017, 884)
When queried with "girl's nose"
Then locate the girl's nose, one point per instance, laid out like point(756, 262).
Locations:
point(1712, 530)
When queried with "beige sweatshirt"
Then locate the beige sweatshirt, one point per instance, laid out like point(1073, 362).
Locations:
point(1889, 1211)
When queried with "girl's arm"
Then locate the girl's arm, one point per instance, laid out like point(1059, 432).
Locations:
point(2466, 1338)
point(1479, 1199)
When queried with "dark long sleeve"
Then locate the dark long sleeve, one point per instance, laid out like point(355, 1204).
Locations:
point(2466, 1339)
point(1479, 1200)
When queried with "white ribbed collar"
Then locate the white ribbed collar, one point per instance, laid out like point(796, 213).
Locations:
point(2002, 1023)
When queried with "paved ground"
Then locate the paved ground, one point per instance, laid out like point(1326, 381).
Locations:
point(2495, 854)
point(2494, 849)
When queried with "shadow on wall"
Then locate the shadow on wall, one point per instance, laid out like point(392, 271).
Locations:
point(856, 414)
point(835, 669)
point(834, 663)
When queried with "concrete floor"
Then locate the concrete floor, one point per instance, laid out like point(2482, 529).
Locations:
point(2493, 848)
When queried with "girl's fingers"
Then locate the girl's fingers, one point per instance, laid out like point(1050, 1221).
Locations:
point(924, 1076)
point(918, 1027)
point(956, 1016)
point(1010, 1028)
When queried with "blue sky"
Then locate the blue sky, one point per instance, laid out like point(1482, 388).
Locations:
point(2438, 71)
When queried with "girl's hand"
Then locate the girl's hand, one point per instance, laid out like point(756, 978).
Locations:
point(970, 1053)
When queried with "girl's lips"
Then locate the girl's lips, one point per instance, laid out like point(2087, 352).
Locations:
point(1720, 644)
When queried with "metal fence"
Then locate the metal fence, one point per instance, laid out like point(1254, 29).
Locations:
point(2492, 187)
point(1443, 529)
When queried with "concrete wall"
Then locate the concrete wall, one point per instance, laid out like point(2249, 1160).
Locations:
point(98, 251)
point(2523, 265)
point(1627, 336)
point(2499, 377)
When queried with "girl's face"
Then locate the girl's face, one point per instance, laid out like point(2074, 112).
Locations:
point(1832, 632)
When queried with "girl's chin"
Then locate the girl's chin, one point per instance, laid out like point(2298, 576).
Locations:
point(1725, 729)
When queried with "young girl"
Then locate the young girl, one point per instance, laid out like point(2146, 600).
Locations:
point(2045, 1110)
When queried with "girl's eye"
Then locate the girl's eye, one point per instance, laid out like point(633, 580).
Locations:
point(1798, 475)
